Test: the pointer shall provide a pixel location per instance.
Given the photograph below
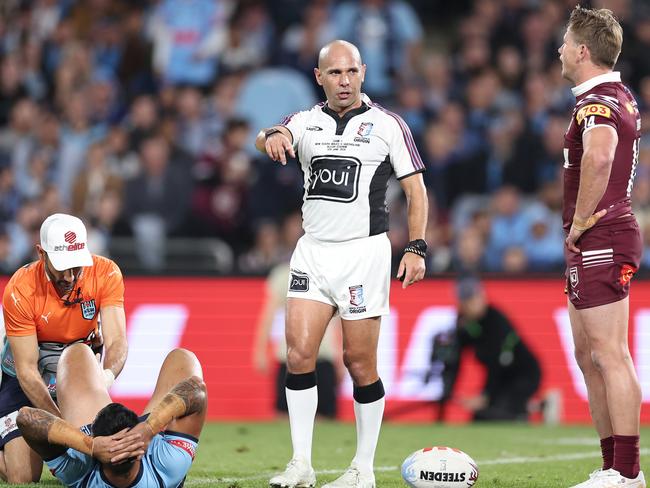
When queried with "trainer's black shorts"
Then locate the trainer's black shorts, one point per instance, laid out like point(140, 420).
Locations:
point(12, 399)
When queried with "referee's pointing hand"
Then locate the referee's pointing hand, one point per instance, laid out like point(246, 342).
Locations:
point(277, 146)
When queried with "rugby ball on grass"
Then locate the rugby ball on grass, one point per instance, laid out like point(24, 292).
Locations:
point(439, 467)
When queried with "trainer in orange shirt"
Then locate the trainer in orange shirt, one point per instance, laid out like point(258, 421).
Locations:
point(47, 305)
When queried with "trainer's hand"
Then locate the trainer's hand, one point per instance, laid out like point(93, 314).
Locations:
point(578, 228)
point(411, 269)
point(123, 445)
point(277, 146)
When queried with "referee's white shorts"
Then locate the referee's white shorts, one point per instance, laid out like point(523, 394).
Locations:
point(352, 276)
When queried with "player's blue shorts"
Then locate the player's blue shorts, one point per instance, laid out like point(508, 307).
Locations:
point(165, 465)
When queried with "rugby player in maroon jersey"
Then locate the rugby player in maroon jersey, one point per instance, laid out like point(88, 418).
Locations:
point(603, 243)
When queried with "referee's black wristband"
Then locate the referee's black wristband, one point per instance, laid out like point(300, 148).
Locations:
point(418, 246)
point(271, 131)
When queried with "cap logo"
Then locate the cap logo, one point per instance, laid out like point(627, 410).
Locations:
point(70, 237)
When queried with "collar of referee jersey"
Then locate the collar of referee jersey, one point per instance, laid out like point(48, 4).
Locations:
point(341, 122)
point(582, 88)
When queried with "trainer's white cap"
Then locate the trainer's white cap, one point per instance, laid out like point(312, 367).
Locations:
point(65, 240)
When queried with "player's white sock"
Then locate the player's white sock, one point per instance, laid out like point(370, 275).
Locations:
point(369, 404)
point(302, 401)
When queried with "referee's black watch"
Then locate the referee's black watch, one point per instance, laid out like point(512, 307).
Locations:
point(418, 246)
point(271, 131)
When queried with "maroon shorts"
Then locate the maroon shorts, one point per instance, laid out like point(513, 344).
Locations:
point(601, 272)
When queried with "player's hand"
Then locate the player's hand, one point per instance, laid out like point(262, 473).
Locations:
point(277, 146)
point(576, 230)
point(123, 445)
point(135, 444)
point(261, 360)
point(411, 269)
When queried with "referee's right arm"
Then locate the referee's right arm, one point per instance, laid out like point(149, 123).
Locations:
point(276, 143)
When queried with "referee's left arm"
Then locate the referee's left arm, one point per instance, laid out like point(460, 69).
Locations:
point(412, 266)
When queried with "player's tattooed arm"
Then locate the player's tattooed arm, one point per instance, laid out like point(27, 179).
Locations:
point(51, 436)
point(186, 398)
point(35, 425)
point(192, 392)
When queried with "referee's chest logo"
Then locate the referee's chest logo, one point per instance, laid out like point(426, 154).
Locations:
point(334, 178)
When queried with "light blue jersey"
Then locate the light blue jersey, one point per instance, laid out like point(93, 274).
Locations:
point(165, 465)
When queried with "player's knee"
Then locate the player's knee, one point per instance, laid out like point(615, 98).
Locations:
point(360, 366)
point(584, 360)
point(300, 360)
point(19, 475)
point(75, 353)
point(610, 358)
point(181, 355)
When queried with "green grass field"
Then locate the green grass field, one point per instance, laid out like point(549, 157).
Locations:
point(239, 455)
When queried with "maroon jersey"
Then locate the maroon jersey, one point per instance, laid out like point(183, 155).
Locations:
point(601, 101)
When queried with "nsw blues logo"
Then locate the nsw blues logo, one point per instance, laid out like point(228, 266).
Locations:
point(88, 309)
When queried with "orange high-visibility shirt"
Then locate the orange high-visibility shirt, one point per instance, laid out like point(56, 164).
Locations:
point(31, 304)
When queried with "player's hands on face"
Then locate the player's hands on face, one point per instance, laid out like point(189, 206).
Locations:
point(576, 231)
point(118, 447)
point(143, 436)
point(278, 146)
point(411, 269)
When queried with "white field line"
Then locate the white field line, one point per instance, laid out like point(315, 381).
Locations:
point(572, 456)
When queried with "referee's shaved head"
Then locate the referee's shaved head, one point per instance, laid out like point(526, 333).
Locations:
point(335, 47)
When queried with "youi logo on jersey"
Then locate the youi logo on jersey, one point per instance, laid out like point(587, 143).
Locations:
point(334, 178)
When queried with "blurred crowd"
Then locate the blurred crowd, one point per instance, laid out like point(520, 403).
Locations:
point(139, 117)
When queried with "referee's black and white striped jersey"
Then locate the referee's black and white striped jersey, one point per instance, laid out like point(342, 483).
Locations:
point(347, 162)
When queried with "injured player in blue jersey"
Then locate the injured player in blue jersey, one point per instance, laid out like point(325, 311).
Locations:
point(156, 450)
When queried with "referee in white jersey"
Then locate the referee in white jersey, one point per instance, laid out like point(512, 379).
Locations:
point(348, 148)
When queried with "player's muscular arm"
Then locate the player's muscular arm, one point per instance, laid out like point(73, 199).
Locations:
point(35, 424)
point(50, 436)
point(25, 351)
point(277, 144)
point(596, 165)
point(412, 266)
point(598, 154)
point(114, 332)
point(186, 398)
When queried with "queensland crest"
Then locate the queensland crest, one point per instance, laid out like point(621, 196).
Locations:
point(88, 309)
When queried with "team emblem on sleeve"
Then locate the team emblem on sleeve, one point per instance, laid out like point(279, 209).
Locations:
point(88, 309)
point(593, 109)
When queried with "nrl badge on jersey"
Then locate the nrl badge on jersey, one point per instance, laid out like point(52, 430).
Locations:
point(88, 309)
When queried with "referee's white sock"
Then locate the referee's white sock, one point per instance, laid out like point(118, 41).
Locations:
point(369, 404)
point(302, 401)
